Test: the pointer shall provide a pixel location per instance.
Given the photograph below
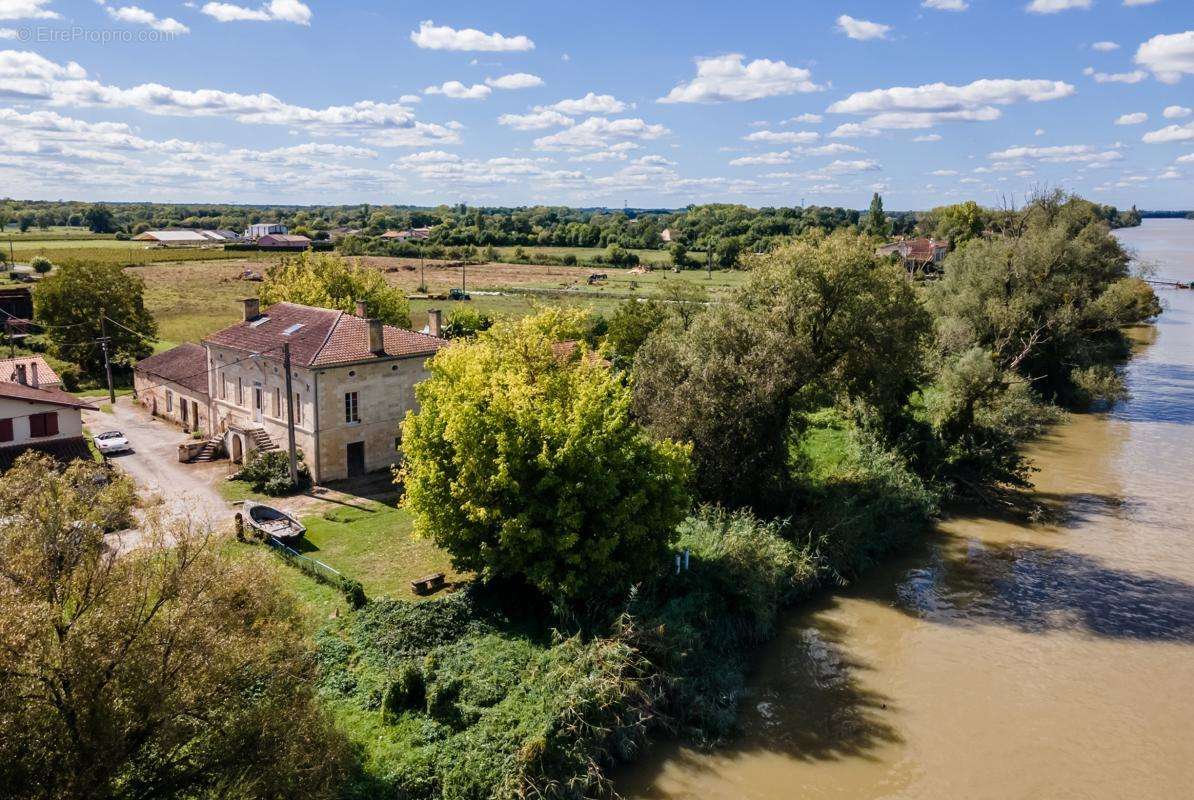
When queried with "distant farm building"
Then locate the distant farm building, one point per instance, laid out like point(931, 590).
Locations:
point(283, 241)
point(255, 232)
point(411, 234)
point(186, 238)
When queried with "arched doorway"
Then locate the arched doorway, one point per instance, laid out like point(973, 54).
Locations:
point(237, 449)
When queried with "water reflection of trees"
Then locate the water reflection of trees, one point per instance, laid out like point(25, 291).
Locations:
point(1040, 589)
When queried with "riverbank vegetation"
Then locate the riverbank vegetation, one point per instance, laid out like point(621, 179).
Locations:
point(637, 495)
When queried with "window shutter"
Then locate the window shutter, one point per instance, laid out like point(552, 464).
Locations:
point(37, 425)
point(52, 424)
point(6, 430)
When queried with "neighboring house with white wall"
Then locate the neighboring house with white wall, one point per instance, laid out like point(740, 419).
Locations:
point(352, 378)
point(34, 416)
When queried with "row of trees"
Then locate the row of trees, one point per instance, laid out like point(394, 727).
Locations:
point(566, 474)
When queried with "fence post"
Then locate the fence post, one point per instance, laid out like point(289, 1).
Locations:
point(240, 527)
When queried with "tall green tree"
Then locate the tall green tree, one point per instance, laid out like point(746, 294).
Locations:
point(167, 672)
point(99, 219)
point(821, 320)
point(71, 302)
point(875, 222)
point(528, 466)
point(327, 280)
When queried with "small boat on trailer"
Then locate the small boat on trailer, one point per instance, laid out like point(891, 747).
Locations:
point(272, 522)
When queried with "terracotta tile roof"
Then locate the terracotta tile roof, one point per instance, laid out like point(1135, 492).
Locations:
point(327, 337)
point(49, 395)
point(185, 365)
point(45, 373)
point(63, 450)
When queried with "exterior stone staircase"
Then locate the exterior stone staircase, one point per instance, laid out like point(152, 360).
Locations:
point(210, 450)
point(262, 443)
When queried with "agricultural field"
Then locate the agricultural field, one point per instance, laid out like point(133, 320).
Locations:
point(190, 299)
point(654, 257)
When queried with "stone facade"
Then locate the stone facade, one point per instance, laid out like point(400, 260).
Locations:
point(250, 393)
point(173, 402)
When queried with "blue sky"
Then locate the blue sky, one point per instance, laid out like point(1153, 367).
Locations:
point(649, 103)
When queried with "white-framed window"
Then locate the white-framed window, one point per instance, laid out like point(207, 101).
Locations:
point(352, 408)
point(240, 391)
point(277, 403)
point(298, 409)
point(223, 386)
point(169, 401)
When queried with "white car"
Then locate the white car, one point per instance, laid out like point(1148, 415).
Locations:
point(112, 442)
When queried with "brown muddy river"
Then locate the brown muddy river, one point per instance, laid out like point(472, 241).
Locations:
point(1003, 660)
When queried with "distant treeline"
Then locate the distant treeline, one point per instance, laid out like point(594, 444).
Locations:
point(714, 227)
point(1167, 214)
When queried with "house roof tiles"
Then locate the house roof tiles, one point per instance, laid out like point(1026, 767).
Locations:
point(185, 365)
point(326, 337)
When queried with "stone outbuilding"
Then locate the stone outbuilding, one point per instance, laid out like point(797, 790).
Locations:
point(352, 382)
point(173, 385)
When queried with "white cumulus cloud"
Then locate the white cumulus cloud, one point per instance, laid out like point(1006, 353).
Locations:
point(591, 103)
point(1059, 154)
point(783, 137)
point(1104, 47)
point(430, 36)
point(599, 133)
point(273, 11)
point(721, 79)
point(1171, 133)
point(1132, 119)
point(139, 16)
point(517, 80)
point(1177, 112)
point(1168, 56)
point(536, 120)
point(27, 9)
point(861, 29)
point(1135, 76)
point(946, 5)
point(458, 91)
point(1054, 6)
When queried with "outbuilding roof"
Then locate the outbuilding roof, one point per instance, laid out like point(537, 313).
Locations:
point(50, 395)
point(325, 337)
point(185, 365)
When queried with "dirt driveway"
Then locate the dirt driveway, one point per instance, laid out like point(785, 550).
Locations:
point(188, 491)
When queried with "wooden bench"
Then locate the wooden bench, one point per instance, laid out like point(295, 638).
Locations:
point(427, 584)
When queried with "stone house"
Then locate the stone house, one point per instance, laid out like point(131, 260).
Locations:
point(352, 382)
point(173, 385)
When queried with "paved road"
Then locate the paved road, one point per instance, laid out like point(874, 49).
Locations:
point(187, 491)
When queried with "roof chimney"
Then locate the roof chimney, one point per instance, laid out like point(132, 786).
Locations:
point(434, 322)
point(377, 337)
point(21, 375)
point(362, 309)
point(33, 375)
point(252, 308)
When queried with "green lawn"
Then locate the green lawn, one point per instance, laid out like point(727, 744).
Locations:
point(368, 540)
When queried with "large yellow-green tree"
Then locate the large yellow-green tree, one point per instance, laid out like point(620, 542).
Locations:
point(328, 280)
point(524, 462)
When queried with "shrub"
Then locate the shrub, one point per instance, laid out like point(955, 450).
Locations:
point(41, 265)
point(269, 473)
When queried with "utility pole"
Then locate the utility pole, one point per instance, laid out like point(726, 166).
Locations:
point(290, 415)
point(422, 277)
point(464, 277)
point(107, 359)
point(12, 345)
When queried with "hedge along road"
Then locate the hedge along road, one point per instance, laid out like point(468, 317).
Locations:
point(187, 491)
point(1002, 660)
